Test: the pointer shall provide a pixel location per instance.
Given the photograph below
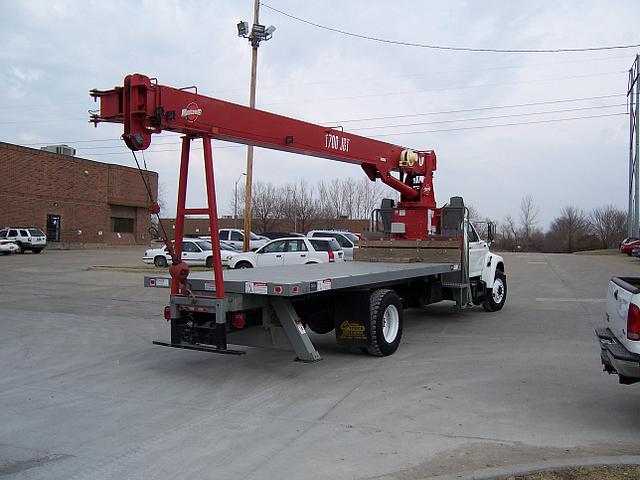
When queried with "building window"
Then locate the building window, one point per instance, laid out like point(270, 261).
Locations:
point(121, 225)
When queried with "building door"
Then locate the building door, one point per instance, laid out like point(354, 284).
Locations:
point(53, 228)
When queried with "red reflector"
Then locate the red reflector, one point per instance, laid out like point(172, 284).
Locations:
point(239, 320)
point(331, 256)
point(633, 322)
point(295, 289)
point(167, 313)
point(277, 290)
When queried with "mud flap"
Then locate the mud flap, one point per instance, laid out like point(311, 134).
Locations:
point(353, 319)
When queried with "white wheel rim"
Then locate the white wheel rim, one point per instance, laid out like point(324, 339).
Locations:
point(390, 323)
point(498, 290)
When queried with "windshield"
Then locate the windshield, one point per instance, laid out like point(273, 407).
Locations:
point(205, 245)
point(253, 236)
point(351, 236)
point(227, 246)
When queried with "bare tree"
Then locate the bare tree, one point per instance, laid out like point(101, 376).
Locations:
point(570, 231)
point(528, 219)
point(609, 225)
point(509, 235)
point(264, 205)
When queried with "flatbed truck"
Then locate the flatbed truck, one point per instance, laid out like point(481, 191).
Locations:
point(362, 301)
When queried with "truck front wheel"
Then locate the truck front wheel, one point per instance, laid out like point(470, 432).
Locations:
point(385, 327)
point(496, 296)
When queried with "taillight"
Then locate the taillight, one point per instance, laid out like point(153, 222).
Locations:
point(633, 322)
point(239, 320)
point(167, 313)
point(331, 257)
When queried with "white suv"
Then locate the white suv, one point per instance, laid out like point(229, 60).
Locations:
point(291, 251)
point(235, 236)
point(29, 238)
point(347, 240)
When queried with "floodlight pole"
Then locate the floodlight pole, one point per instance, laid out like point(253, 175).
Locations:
point(255, 42)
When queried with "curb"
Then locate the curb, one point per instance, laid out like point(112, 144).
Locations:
point(499, 473)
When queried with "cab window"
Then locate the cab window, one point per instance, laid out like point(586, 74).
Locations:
point(471, 233)
point(224, 234)
point(236, 237)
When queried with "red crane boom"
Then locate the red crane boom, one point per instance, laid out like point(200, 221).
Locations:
point(146, 108)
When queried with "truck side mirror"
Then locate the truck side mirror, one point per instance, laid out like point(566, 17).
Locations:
point(491, 231)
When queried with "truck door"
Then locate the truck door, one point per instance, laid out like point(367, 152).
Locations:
point(272, 254)
point(478, 250)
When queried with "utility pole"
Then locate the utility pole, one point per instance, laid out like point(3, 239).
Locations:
point(257, 34)
point(633, 98)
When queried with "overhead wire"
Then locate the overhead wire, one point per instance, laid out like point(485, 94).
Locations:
point(532, 122)
point(449, 47)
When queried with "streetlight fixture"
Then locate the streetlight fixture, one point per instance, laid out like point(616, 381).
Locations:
point(235, 201)
point(258, 33)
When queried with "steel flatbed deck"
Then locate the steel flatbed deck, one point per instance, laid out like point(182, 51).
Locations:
point(296, 280)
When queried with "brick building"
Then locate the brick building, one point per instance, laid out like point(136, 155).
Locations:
point(73, 200)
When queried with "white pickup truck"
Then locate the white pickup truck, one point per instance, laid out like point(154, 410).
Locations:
point(620, 339)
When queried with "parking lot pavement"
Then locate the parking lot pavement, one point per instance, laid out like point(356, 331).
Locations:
point(84, 394)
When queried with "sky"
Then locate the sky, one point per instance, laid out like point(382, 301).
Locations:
point(569, 148)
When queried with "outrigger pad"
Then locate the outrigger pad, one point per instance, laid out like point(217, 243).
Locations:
point(353, 319)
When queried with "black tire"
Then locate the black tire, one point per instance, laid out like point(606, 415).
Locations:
point(494, 301)
point(160, 262)
point(384, 301)
point(209, 262)
point(37, 250)
point(241, 265)
point(20, 248)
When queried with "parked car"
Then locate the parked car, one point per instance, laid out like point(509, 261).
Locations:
point(635, 252)
point(8, 246)
point(347, 240)
point(195, 252)
point(26, 238)
point(291, 251)
point(275, 235)
point(235, 236)
point(628, 246)
point(223, 245)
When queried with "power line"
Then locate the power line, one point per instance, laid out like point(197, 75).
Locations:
point(451, 48)
point(565, 110)
point(494, 107)
point(533, 122)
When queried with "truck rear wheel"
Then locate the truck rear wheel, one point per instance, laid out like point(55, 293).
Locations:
point(386, 322)
point(496, 296)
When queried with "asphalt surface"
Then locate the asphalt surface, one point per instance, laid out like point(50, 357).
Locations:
point(84, 393)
